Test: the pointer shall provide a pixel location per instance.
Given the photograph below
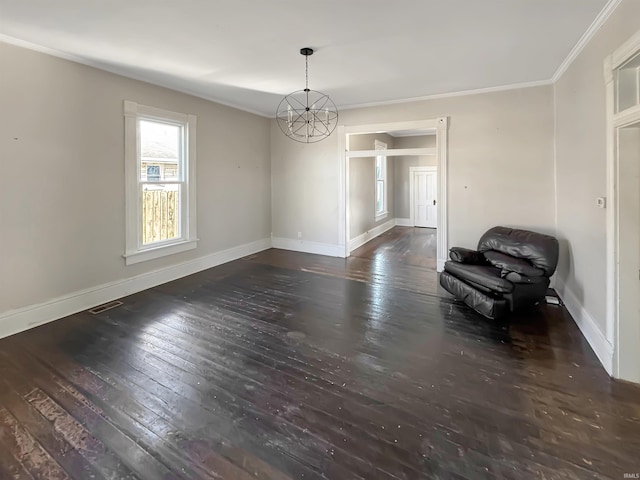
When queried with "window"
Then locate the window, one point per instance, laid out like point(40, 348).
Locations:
point(381, 182)
point(628, 84)
point(160, 188)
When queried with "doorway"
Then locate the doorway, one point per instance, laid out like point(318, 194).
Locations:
point(436, 127)
point(424, 196)
point(622, 78)
point(628, 325)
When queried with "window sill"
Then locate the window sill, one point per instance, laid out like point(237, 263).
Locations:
point(381, 216)
point(160, 251)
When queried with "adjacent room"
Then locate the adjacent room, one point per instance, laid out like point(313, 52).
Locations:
point(284, 240)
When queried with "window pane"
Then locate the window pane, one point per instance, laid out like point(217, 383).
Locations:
point(628, 84)
point(378, 168)
point(160, 151)
point(160, 212)
point(379, 196)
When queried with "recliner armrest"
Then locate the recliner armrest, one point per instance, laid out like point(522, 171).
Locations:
point(466, 255)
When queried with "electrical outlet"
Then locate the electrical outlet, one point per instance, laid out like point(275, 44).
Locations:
point(299, 235)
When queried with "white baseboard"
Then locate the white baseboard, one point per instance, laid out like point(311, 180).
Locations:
point(15, 321)
point(308, 247)
point(371, 234)
point(404, 222)
point(587, 325)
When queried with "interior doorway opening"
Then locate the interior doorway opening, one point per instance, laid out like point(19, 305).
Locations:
point(622, 78)
point(414, 195)
point(628, 252)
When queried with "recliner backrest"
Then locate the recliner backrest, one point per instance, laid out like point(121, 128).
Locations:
point(541, 250)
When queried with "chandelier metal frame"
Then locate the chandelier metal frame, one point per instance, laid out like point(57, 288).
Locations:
point(307, 116)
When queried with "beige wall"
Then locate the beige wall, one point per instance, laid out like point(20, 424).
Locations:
point(62, 181)
point(402, 164)
point(366, 141)
point(304, 185)
point(362, 189)
point(500, 165)
point(581, 165)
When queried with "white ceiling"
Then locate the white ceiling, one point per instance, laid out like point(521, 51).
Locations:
point(245, 53)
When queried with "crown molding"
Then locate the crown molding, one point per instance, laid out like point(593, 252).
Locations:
point(501, 88)
point(120, 72)
point(586, 38)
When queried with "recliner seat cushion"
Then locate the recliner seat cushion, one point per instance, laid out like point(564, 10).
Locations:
point(484, 275)
point(507, 264)
point(541, 250)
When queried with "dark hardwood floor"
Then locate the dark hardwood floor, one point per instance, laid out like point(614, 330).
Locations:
point(286, 365)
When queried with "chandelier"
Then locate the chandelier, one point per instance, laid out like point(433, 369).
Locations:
point(307, 116)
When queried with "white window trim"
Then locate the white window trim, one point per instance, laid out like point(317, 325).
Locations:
point(134, 251)
point(378, 145)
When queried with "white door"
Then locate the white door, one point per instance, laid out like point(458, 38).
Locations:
point(425, 194)
point(629, 251)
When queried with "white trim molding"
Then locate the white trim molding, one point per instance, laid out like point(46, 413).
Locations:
point(15, 321)
point(369, 235)
point(588, 326)
point(442, 145)
point(391, 152)
point(602, 17)
point(344, 215)
point(460, 93)
point(305, 246)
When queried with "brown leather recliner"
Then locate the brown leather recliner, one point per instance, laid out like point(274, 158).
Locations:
point(509, 270)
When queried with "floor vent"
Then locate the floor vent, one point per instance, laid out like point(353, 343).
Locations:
point(104, 307)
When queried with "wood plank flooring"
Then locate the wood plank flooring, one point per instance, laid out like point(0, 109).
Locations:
point(286, 365)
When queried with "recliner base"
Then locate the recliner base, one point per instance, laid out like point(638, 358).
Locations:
point(487, 305)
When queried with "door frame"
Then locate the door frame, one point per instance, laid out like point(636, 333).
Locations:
point(439, 127)
point(412, 180)
point(621, 364)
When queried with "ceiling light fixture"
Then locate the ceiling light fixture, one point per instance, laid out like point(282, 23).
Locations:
point(307, 116)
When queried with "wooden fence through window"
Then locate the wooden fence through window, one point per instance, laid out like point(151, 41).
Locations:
point(160, 215)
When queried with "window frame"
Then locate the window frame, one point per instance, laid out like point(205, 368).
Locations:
point(135, 251)
point(382, 214)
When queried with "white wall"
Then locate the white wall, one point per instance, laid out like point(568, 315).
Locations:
point(581, 174)
point(62, 176)
point(500, 166)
